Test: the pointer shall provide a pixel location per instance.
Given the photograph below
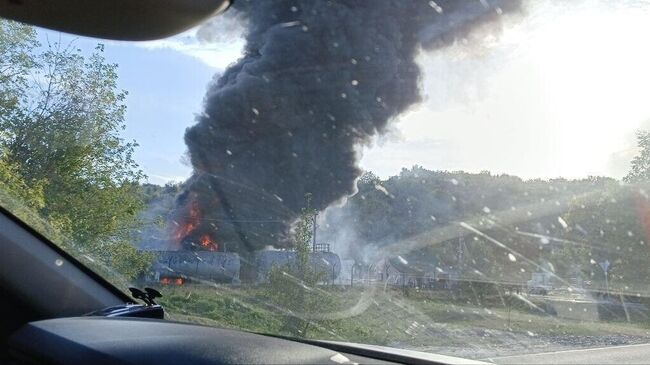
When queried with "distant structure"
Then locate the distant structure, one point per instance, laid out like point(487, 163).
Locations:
point(413, 272)
point(325, 262)
point(181, 267)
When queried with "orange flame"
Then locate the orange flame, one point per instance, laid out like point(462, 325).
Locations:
point(189, 224)
point(171, 281)
point(208, 243)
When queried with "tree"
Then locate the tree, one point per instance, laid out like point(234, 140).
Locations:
point(61, 115)
point(640, 170)
point(17, 42)
point(293, 286)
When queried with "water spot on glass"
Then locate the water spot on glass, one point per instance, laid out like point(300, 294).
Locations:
point(435, 7)
point(512, 257)
point(289, 24)
point(454, 181)
point(498, 10)
point(402, 260)
point(344, 95)
point(294, 9)
point(562, 223)
point(58, 262)
point(486, 210)
point(433, 218)
point(522, 270)
point(529, 213)
point(592, 261)
point(453, 198)
point(531, 334)
point(630, 234)
point(228, 152)
point(278, 198)
point(354, 82)
point(544, 240)
point(353, 61)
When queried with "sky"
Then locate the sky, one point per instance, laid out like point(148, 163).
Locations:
point(558, 92)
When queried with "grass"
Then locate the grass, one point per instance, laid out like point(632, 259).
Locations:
point(393, 317)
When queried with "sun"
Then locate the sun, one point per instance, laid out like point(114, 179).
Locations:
point(594, 64)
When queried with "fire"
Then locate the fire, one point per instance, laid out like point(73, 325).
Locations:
point(184, 233)
point(207, 243)
point(171, 281)
point(190, 223)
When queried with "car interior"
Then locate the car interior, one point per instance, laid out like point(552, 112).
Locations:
point(56, 311)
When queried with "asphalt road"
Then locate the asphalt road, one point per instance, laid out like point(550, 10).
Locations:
point(628, 354)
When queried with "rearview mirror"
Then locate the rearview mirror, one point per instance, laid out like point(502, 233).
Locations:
point(134, 20)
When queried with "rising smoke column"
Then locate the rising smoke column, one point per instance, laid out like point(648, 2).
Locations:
point(317, 79)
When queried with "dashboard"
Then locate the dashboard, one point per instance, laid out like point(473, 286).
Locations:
point(103, 340)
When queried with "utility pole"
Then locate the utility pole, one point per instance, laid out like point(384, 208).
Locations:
point(605, 266)
point(461, 253)
point(314, 234)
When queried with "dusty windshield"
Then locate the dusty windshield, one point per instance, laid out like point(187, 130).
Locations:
point(460, 177)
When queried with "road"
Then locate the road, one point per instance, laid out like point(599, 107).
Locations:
point(628, 354)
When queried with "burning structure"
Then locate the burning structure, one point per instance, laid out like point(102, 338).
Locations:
point(181, 267)
point(316, 80)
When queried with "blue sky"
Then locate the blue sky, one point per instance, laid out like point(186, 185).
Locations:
point(555, 94)
point(166, 86)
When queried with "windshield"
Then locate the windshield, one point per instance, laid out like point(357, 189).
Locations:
point(460, 177)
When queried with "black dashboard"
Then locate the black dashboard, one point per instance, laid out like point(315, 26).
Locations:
point(101, 340)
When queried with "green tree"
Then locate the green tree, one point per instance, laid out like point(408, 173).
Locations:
point(17, 42)
point(293, 286)
point(640, 169)
point(61, 115)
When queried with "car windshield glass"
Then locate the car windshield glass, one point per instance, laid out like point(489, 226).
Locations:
point(416, 174)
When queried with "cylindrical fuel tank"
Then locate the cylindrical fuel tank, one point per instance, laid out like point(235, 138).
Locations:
point(220, 267)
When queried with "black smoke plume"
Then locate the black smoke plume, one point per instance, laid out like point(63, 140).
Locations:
point(317, 79)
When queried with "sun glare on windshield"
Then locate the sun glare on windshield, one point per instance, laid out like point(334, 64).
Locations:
point(415, 174)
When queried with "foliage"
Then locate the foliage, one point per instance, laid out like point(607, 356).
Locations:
point(640, 169)
point(61, 115)
point(293, 287)
point(123, 257)
point(17, 43)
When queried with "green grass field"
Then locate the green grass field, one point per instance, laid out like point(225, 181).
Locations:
point(410, 319)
